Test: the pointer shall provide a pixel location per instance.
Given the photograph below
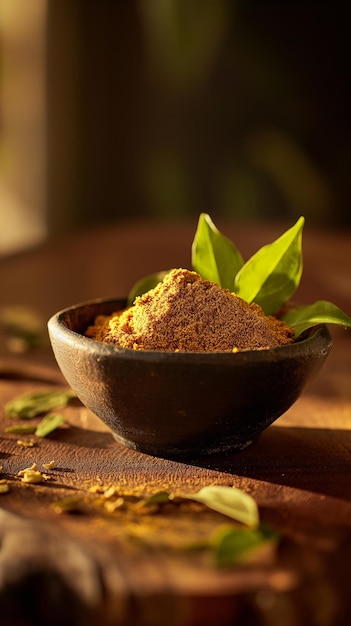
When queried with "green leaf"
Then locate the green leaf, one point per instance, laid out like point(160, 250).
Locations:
point(48, 424)
point(159, 497)
point(229, 501)
point(321, 312)
point(71, 504)
point(233, 545)
point(23, 325)
point(145, 284)
point(20, 429)
point(214, 256)
point(31, 404)
point(272, 275)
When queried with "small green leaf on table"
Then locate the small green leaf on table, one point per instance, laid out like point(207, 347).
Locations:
point(48, 424)
point(29, 405)
point(159, 497)
point(229, 501)
point(233, 545)
point(20, 429)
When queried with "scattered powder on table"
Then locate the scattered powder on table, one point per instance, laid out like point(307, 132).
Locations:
point(187, 313)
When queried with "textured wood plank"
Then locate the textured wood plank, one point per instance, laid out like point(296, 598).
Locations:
point(123, 567)
point(297, 471)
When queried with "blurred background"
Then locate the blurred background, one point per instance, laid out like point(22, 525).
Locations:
point(113, 110)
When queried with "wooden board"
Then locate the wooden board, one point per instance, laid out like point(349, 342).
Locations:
point(121, 565)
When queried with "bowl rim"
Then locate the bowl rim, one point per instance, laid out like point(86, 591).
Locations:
point(312, 340)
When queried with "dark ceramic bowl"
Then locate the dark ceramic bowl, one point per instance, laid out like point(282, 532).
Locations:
point(185, 403)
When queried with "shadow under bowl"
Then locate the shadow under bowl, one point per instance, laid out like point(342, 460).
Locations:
point(174, 404)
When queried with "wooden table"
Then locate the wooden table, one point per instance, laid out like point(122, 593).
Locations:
point(124, 567)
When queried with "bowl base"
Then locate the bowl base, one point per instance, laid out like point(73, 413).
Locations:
point(178, 451)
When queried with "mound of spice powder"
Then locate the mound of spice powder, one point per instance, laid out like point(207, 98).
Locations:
point(187, 313)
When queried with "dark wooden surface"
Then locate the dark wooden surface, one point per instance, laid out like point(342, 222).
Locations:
point(126, 567)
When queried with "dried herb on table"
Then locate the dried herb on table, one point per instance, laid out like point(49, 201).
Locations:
point(48, 424)
point(232, 545)
point(159, 497)
point(72, 504)
point(20, 429)
point(26, 443)
point(32, 404)
point(4, 486)
point(229, 501)
point(32, 476)
point(228, 545)
point(25, 330)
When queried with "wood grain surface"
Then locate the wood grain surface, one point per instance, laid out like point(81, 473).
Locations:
point(132, 566)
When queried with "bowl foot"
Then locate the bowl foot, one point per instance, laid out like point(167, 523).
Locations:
point(183, 450)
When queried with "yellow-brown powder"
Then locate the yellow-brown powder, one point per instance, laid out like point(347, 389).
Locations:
point(187, 313)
